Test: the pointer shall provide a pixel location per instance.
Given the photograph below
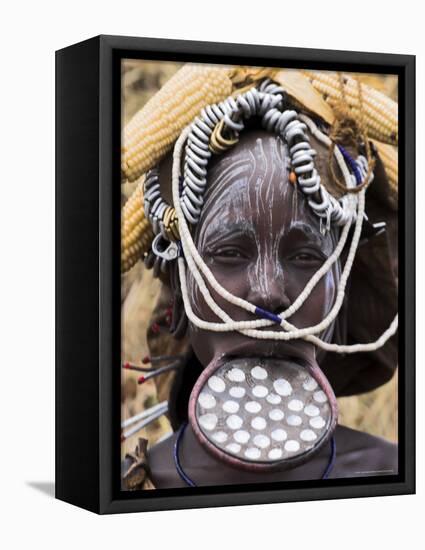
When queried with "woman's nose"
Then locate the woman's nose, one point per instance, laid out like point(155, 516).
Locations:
point(268, 287)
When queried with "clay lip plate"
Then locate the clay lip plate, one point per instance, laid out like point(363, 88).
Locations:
point(288, 429)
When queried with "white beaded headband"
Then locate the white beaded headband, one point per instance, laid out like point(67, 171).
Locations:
point(204, 136)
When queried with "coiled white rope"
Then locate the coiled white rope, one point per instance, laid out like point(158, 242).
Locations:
point(267, 102)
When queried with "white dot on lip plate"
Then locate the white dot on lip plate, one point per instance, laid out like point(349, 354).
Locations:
point(310, 384)
point(236, 375)
point(317, 422)
point(260, 391)
point(230, 406)
point(259, 373)
point(253, 407)
point(241, 436)
point(220, 437)
point(216, 384)
point(295, 405)
point(207, 400)
point(208, 421)
point(311, 410)
point(233, 447)
point(279, 435)
point(234, 422)
point(258, 423)
point(320, 396)
point(275, 453)
point(308, 435)
point(273, 399)
point(282, 387)
point(294, 420)
point(253, 452)
point(276, 414)
point(237, 391)
point(261, 441)
point(292, 446)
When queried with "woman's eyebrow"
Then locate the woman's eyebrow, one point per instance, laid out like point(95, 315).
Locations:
point(217, 232)
point(307, 231)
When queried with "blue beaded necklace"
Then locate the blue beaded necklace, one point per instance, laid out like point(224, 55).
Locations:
point(191, 483)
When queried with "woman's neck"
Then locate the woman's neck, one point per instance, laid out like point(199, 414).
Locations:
point(205, 469)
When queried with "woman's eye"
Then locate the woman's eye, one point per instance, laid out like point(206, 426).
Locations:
point(307, 257)
point(228, 253)
point(304, 257)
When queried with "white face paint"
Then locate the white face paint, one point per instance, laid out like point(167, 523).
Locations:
point(311, 410)
point(230, 406)
point(295, 405)
point(237, 391)
point(292, 446)
point(216, 384)
point(208, 421)
point(260, 391)
point(220, 437)
point(259, 373)
point(276, 415)
point(253, 407)
point(207, 400)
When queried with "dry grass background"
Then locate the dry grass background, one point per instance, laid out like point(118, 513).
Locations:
point(374, 412)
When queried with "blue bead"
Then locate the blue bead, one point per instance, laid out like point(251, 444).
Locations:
point(268, 315)
point(352, 163)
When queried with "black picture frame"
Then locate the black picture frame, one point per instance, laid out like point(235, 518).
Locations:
point(88, 278)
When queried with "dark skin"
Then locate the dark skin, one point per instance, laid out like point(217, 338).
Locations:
point(262, 242)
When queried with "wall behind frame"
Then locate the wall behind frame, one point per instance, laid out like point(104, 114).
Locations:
point(31, 31)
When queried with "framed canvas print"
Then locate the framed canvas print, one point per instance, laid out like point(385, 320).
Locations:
point(235, 274)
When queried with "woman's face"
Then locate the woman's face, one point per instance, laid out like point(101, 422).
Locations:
point(263, 243)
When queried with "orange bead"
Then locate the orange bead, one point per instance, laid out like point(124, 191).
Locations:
point(293, 178)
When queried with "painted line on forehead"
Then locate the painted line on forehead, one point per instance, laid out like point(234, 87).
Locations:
point(219, 214)
point(219, 182)
point(273, 160)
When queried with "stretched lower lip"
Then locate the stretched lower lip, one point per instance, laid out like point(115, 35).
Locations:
point(272, 401)
point(286, 353)
point(265, 356)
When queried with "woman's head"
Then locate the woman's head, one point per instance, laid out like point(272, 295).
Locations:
point(256, 277)
point(263, 243)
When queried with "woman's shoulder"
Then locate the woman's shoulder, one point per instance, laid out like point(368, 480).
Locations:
point(362, 454)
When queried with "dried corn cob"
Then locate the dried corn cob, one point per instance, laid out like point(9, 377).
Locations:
point(136, 231)
point(151, 132)
point(389, 157)
point(380, 112)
